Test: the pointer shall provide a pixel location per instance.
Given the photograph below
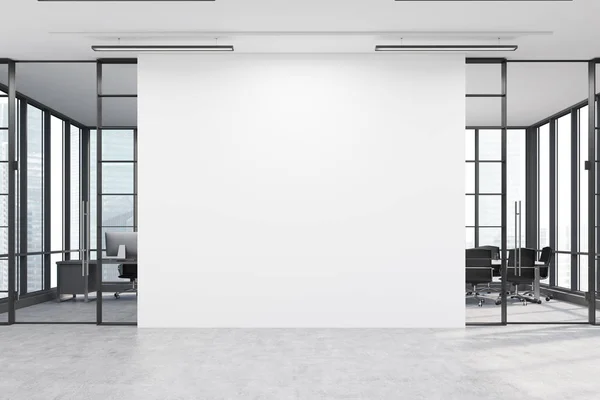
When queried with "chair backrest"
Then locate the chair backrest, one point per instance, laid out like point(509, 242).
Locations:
point(478, 257)
point(527, 257)
point(546, 256)
point(494, 249)
point(478, 266)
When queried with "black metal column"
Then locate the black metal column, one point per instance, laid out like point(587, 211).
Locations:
point(12, 194)
point(531, 188)
point(135, 179)
point(476, 164)
point(574, 201)
point(67, 189)
point(597, 109)
point(504, 247)
point(46, 206)
point(552, 195)
point(99, 254)
point(592, 192)
point(23, 197)
point(47, 199)
point(84, 152)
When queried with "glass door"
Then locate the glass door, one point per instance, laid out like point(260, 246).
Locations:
point(55, 280)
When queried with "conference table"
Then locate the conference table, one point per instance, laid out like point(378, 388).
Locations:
point(537, 278)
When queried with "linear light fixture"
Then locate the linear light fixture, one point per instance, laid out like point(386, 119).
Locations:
point(481, 1)
point(121, 1)
point(452, 47)
point(161, 48)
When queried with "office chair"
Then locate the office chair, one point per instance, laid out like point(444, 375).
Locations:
point(478, 270)
point(495, 254)
point(546, 258)
point(526, 276)
point(128, 271)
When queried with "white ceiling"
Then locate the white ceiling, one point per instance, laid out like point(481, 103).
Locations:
point(66, 30)
point(32, 30)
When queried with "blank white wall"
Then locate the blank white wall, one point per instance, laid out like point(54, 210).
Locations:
point(301, 190)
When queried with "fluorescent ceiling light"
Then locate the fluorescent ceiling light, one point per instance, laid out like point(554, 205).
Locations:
point(190, 48)
point(453, 47)
point(459, 1)
point(112, 1)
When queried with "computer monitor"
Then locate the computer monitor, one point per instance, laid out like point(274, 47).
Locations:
point(116, 239)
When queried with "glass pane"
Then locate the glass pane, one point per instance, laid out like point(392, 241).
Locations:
point(110, 272)
point(484, 78)
point(3, 244)
point(483, 111)
point(117, 178)
point(3, 210)
point(117, 145)
point(583, 273)
point(3, 178)
point(35, 275)
point(54, 258)
point(563, 270)
point(3, 145)
point(490, 210)
point(470, 211)
point(119, 111)
point(583, 183)
point(3, 263)
point(490, 145)
point(3, 277)
point(470, 238)
point(490, 237)
point(515, 164)
point(119, 79)
point(544, 185)
point(34, 181)
point(93, 191)
point(117, 210)
point(470, 144)
point(75, 195)
point(469, 177)
point(56, 183)
point(563, 182)
point(3, 112)
point(490, 178)
point(114, 229)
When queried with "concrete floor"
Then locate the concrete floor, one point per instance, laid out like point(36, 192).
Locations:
point(125, 310)
point(113, 310)
point(89, 362)
point(552, 311)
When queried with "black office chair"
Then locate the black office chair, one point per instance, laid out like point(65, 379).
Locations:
point(546, 258)
point(478, 271)
point(525, 275)
point(495, 253)
point(128, 271)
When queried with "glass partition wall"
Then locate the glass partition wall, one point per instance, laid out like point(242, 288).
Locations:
point(68, 175)
point(537, 152)
point(484, 173)
point(49, 276)
point(4, 172)
point(547, 98)
point(116, 184)
point(57, 195)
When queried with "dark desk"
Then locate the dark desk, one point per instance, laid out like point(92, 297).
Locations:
point(71, 280)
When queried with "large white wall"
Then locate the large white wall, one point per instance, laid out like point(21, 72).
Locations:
point(301, 190)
